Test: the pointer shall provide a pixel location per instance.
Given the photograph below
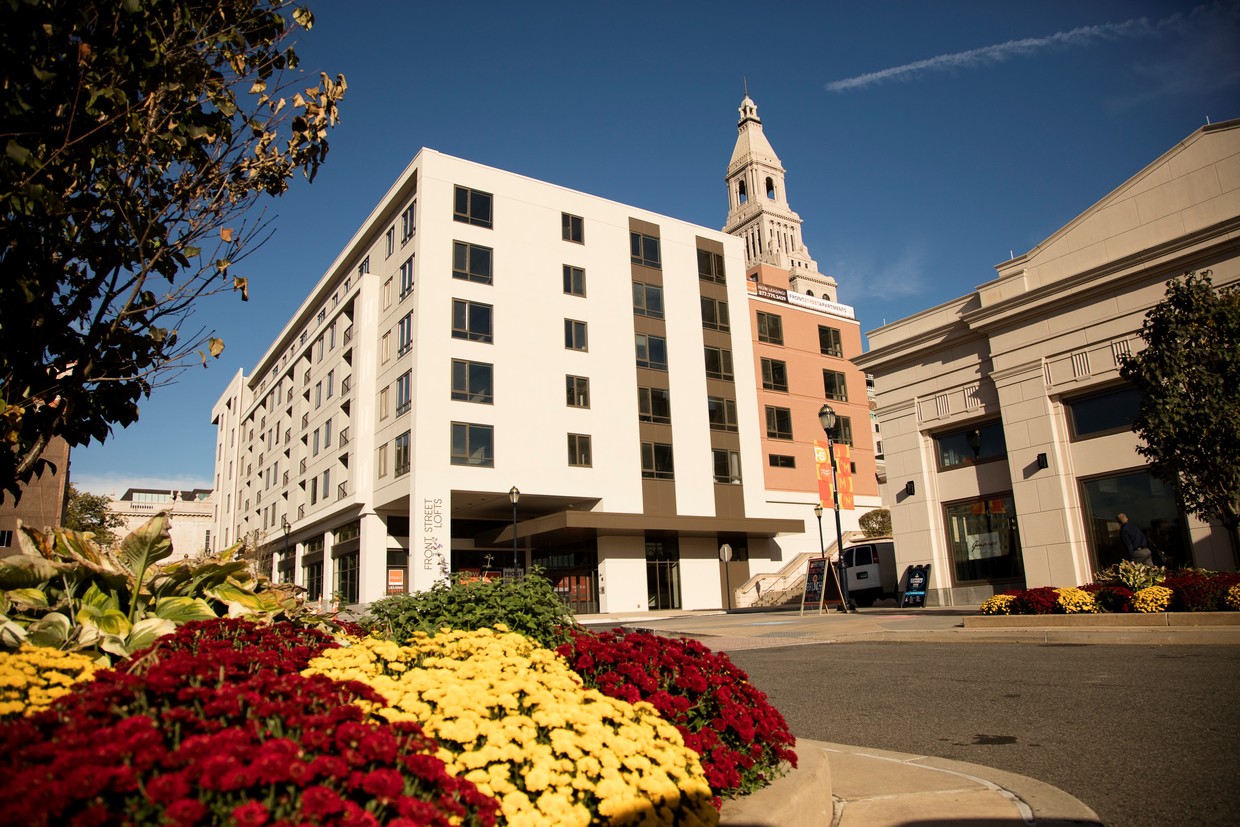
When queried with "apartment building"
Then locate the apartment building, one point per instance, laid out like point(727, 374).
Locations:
point(498, 372)
point(1007, 426)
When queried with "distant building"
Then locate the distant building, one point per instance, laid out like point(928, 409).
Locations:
point(1006, 426)
point(485, 334)
point(42, 503)
point(191, 515)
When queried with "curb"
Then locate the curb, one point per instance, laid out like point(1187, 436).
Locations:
point(1160, 620)
point(801, 798)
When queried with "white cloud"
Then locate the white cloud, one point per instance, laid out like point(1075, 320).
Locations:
point(1000, 52)
point(115, 484)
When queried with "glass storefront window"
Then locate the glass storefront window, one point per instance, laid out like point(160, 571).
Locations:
point(1108, 412)
point(983, 539)
point(1147, 502)
point(663, 572)
point(977, 443)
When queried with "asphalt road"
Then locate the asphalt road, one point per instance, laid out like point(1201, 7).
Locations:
point(1144, 735)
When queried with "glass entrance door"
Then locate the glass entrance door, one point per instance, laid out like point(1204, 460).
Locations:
point(662, 573)
point(1146, 501)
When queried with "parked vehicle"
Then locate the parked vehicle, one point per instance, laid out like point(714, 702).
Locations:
point(872, 572)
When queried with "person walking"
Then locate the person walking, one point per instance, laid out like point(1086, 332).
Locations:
point(1136, 545)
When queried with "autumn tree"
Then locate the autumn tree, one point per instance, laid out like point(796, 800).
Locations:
point(1189, 379)
point(136, 138)
point(85, 511)
point(876, 523)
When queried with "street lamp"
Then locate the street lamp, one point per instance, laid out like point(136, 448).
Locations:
point(514, 495)
point(822, 549)
point(826, 418)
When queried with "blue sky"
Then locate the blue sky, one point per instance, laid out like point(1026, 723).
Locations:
point(924, 142)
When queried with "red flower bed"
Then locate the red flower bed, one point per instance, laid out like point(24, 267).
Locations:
point(1039, 601)
point(1200, 591)
point(214, 725)
point(1110, 598)
point(741, 738)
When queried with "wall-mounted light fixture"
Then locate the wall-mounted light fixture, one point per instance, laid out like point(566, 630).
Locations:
point(1043, 462)
point(910, 488)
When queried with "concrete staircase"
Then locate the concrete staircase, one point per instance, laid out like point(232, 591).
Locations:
point(783, 587)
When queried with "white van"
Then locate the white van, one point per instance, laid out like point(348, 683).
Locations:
point(872, 572)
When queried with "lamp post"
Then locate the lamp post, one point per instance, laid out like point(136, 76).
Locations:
point(826, 418)
point(822, 549)
point(514, 495)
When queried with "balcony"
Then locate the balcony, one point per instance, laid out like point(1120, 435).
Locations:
point(301, 512)
point(288, 435)
point(348, 335)
point(302, 468)
point(341, 491)
point(345, 385)
point(285, 480)
point(305, 420)
point(344, 437)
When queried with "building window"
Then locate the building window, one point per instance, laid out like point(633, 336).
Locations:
point(407, 224)
point(327, 475)
point(644, 250)
point(404, 393)
point(574, 280)
point(471, 262)
point(774, 375)
point(1147, 501)
point(318, 396)
point(651, 352)
point(715, 315)
point(579, 450)
point(471, 320)
point(385, 347)
point(400, 454)
point(473, 444)
point(983, 539)
point(834, 385)
point(6, 538)
point(327, 434)
point(781, 461)
point(1109, 412)
point(331, 382)
point(472, 207)
point(404, 335)
point(391, 241)
point(710, 266)
point(770, 328)
point(382, 460)
point(348, 570)
point(647, 300)
point(577, 391)
point(654, 405)
point(778, 423)
point(718, 363)
point(722, 413)
point(727, 465)
point(472, 382)
point(843, 430)
point(406, 278)
point(982, 442)
point(388, 290)
point(574, 335)
point(383, 404)
point(572, 228)
point(829, 341)
point(657, 461)
point(314, 581)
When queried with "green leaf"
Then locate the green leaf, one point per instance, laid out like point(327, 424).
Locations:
point(20, 571)
point(52, 630)
point(12, 635)
point(145, 632)
point(25, 599)
point(105, 621)
point(145, 547)
point(184, 609)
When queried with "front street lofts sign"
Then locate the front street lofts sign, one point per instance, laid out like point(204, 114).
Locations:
point(778, 294)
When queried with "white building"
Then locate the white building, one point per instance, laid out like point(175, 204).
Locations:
point(191, 515)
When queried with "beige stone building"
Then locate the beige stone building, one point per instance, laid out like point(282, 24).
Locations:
point(1005, 424)
point(190, 516)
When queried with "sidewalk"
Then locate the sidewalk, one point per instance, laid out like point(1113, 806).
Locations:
point(850, 786)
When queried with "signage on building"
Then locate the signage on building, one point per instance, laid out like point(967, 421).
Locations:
point(984, 545)
point(822, 585)
point(778, 294)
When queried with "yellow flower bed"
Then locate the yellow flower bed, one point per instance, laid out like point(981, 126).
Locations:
point(1075, 601)
point(34, 676)
point(1152, 599)
point(1233, 598)
point(1000, 604)
point(512, 717)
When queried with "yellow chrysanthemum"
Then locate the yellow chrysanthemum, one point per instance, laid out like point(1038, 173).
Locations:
point(34, 676)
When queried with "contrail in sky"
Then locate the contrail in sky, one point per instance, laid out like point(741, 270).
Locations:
point(1003, 51)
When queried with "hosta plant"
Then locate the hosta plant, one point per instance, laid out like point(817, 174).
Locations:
point(65, 592)
point(743, 740)
point(511, 716)
point(1130, 575)
point(214, 725)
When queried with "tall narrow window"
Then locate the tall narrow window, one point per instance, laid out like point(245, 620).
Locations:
point(472, 207)
point(835, 385)
point(406, 277)
point(400, 454)
point(770, 328)
point(577, 391)
point(407, 222)
point(574, 335)
point(572, 228)
point(727, 465)
point(579, 450)
point(774, 375)
point(779, 422)
point(382, 461)
point(829, 343)
point(391, 241)
point(471, 262)
point(404, 335)
point(574, 280)
point(383, 404)
point(404, 393)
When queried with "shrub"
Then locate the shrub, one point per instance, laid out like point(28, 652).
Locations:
point(999, 604)
point(742, 739)
point(1130, 575)
point(1110, 598)
point(876, 523)
point(1039, 601)
point(1152, 599)
point(213, 725)
point(527, 605)
point(34, 676)
point(511, 716)
point(1196, 590)
point(1075, 601)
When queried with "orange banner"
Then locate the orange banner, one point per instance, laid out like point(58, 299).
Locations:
point(843, 473)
